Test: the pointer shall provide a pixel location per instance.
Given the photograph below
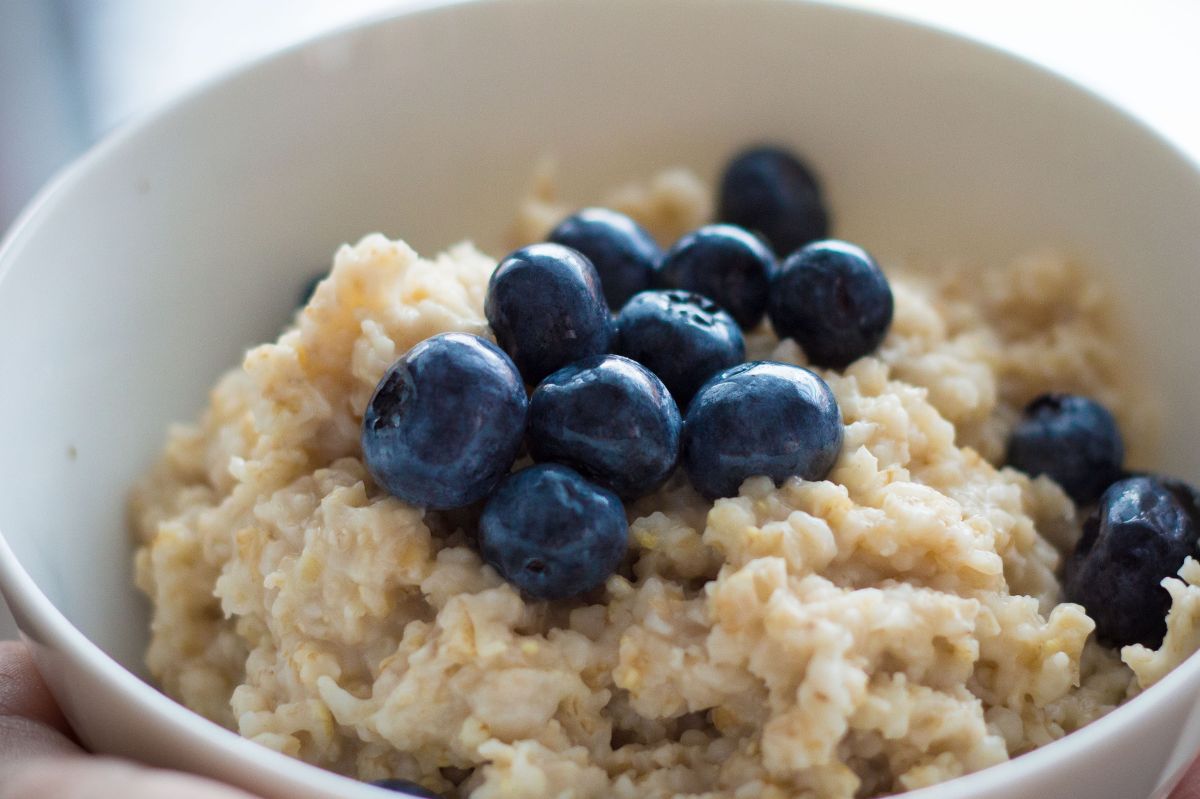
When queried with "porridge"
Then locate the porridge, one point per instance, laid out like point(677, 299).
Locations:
point(894, 625)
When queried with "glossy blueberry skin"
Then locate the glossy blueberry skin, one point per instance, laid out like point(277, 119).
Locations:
point(683, 337)
point(760, 418)
point(551, 533)
point(545, 305)
point(1074, 440)
point(834, 301)
point(1139, 534)
point(610, 419)
point(727, 264)
point(625, 256)
point(406, 787)
point(771, 191)
point(445, 422)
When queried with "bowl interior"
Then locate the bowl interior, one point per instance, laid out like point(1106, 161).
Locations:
point(184, 239)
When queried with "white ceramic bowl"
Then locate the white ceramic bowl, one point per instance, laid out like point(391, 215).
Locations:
point(144, 270)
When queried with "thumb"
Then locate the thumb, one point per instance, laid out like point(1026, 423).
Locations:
point(1189, 787)
point(78, 776)
point(39, 757)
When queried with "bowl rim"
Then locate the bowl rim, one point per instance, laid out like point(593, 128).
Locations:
point(50, 627)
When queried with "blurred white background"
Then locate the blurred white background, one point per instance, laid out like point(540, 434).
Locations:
point(71, 70)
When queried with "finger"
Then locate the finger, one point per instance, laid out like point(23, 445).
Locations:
point(39, 760)
point(23, 739)
point(83, 777)
point(31, 724)
point(1189, 787)
point(22, 692)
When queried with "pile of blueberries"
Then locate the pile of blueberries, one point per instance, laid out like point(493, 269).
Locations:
point(635, 359)
point(1138, 527)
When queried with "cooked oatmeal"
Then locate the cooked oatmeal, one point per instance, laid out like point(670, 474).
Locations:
point(894, 626)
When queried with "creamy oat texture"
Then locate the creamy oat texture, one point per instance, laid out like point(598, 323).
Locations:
point(892, 627)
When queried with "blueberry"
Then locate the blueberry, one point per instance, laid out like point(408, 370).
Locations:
point(727, 264)
point(770, 191)
point(625, 256)
point(1074, 440)
point(406, 787)
point(445, 422)
point(833, 300)
point(1140, 533)
point(760, 418)
point(546, 308)
point(551, 533)
point(610, 419)
point(683, 337)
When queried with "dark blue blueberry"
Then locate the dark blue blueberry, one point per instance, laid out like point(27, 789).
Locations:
point(610, 419)
point(760, 418)
point(445, 423)
point(625, 256)
point(834, 301)
point(406, 787)
point(727, 264)
point(545, 306)
point(770, 191)
point(551, 533)
point(683, 337)
point(1073, 440)
point(1140, 533)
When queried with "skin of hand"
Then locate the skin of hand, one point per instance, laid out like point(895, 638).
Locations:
point(40, 758)
point(1189, 786)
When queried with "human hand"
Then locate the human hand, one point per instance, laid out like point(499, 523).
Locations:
point(1189, 786)
point(40, 758)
